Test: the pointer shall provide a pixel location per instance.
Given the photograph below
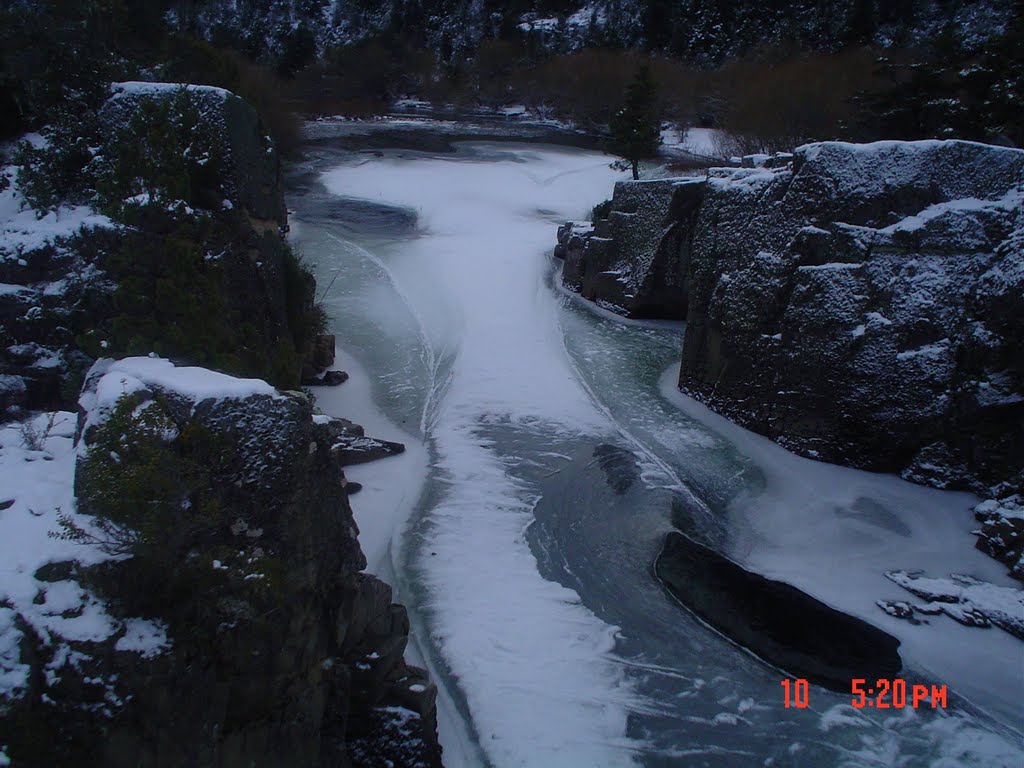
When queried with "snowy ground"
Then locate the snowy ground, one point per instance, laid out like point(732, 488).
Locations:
point(37, 469)
point(23, 229)
point(694, 141)
point(37, 464)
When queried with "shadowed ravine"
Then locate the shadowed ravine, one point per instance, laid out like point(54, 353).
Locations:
point(557, 464)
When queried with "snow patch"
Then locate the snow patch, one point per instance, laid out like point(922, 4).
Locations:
point(145, 637)
point(24, 229)
point(37, 465)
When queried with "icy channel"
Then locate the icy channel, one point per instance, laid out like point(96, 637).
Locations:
point(555, 456)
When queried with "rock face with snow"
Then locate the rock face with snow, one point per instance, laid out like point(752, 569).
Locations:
point(195, 265)
point(861, 304)
point(274, 648)
point(634, 258)
point(963, 598)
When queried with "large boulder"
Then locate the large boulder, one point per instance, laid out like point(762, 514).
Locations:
point(251, 174)
point(225, 509)
point(776, 621)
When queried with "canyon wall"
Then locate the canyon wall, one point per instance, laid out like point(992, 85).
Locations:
point(860, 304)
point(194, 594)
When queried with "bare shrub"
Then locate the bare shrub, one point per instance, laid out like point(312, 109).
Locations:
point(684, 92)
point(493, 67)
point(35, 430)
point(773, 102)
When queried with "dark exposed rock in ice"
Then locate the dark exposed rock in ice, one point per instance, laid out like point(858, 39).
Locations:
point(899, 609)
point(320, 358)
point(350, 445)
point(619, 466)
point(332, 379)
point(776, 621)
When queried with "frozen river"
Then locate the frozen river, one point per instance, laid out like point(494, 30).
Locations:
point(550, 453)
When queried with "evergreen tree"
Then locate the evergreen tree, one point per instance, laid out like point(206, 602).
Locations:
point(636, 128)
point(952, 93)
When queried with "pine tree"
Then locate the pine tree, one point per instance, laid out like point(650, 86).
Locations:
point(635, 128)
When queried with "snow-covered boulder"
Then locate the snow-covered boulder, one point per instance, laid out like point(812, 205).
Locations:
point(225, 575)
point(863, 304)
point(1002, 531)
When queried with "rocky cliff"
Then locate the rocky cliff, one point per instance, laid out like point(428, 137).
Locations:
point(183, 577)
point(165, 236)
point(230, 622)
point(634, 257)
point(861, 304)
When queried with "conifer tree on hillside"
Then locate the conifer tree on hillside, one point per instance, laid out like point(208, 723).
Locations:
point(636, 128)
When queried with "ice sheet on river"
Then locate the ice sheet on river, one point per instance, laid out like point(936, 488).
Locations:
point(531, 660)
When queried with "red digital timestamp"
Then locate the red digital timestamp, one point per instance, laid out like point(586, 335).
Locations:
point(884, 694)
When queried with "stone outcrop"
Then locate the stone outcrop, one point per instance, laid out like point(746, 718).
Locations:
point(634, 258)
point(1002, 531)
point(860, 304)
point(350, 444)
point(209, 279)
point(776, 621)
point(319, 359)
point(278, 651)
point(964, 599)
point(220, 610)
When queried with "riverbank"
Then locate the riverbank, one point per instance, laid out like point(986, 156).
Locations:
point(382, 509)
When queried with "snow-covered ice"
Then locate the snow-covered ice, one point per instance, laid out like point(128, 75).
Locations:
point(382, 506)
point(835, 532)
point(531, 660)
point(517, 649)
